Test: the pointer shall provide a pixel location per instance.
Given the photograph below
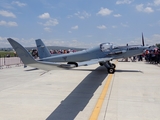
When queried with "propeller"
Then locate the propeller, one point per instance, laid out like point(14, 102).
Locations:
point(142, 40)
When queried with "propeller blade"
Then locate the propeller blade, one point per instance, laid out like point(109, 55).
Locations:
point(142, 40)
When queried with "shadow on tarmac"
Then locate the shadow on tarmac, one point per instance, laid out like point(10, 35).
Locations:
point(32, 69)
point(128, 71)
point(77, 100)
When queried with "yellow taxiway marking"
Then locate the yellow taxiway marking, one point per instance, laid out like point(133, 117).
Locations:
point(95, 113)
point(97, 108)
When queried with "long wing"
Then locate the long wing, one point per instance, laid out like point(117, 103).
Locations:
point(27, 59)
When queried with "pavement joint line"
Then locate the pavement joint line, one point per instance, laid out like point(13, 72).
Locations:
point(98, 106)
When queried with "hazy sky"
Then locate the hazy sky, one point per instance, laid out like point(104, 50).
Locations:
point(79, 23)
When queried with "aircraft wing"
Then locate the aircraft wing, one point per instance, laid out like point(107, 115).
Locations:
point(50, 65)
point(54, 65)
point(94, 61)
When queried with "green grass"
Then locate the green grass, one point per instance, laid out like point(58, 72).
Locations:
point(5, 53)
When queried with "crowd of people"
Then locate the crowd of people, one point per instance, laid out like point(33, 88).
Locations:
point(152, 56)
point(62, 51)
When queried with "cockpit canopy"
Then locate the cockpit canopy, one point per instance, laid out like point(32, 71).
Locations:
point(105, 47)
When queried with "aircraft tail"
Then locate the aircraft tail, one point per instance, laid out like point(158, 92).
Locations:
point(27, 59)
point(42, 49)
point(21, 52)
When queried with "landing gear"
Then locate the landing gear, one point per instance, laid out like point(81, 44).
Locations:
point(110, 66)
point(101, 64)
point(74, 63)
point(113, 65)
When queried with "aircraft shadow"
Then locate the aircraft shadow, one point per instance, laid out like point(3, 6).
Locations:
point(32, 69)
point(79, 97)
point(128, 71)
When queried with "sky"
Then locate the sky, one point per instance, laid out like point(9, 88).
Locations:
point(79, 23)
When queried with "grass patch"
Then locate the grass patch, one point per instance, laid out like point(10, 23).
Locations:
point(5, 53)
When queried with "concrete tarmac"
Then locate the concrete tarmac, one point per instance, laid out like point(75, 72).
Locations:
point(29, 94)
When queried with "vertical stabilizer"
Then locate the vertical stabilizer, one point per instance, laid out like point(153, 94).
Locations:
point(42, 49)
point(21, 52)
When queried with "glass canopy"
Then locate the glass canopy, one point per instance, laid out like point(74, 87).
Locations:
point(106, 47)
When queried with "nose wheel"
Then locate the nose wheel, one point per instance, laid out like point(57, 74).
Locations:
point(111, 70)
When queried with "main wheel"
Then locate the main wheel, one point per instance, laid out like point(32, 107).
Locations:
point(74, 63)
point(113, 65)
point(101, 64)
point(111, 70)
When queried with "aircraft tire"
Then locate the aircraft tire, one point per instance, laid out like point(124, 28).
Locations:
point(74, 63)
point(113, 65)
point(101, 64)
point(111, 70)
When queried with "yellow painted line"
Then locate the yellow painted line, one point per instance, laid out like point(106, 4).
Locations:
point(97, 108)
point(95, 113)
